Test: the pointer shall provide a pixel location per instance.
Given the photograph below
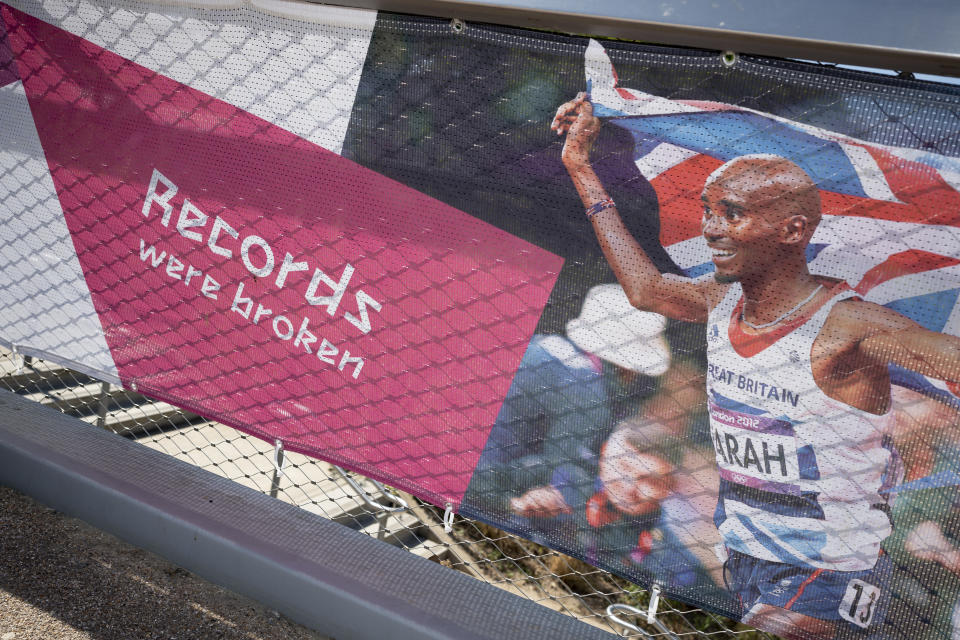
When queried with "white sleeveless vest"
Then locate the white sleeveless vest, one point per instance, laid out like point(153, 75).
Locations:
point(800, 472)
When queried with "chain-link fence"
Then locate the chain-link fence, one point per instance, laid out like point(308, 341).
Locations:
point(446, 199)
point(289, 72)
point(556, 581)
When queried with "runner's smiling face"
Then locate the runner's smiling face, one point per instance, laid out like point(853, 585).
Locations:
point(748, 206)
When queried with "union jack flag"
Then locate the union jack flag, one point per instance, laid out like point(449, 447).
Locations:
point(891, 216)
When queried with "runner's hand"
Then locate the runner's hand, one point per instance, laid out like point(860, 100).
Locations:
point(575, 119)
point(567, 114)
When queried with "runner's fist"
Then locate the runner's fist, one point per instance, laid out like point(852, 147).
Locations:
point(575, 119)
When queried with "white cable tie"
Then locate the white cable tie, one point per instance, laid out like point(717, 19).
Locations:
point(654, 604)
point(18, 358)
point(448, 518)
point(279, 464)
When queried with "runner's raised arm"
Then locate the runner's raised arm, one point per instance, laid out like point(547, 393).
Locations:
point(646, 288)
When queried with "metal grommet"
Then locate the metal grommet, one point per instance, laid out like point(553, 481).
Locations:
point(133, 386)
point(729, 58)
point(457, 25)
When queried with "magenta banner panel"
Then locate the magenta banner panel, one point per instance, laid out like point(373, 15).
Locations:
point(247, 274)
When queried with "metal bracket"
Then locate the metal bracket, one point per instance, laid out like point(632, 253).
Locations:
point(650, 614)
point(612, 611)
point(401, 504)
point(103, 405)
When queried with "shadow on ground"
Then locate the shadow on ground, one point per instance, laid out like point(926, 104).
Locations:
point(61, 579)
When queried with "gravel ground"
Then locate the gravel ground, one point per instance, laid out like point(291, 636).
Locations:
point(61, 579)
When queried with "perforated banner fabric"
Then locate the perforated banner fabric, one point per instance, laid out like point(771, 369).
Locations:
point(692, 322)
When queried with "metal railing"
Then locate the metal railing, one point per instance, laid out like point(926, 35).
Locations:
point(521, 567)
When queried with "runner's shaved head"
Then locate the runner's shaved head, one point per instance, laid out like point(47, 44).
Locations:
point(772, 183)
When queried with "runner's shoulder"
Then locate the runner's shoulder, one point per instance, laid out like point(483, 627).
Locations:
point(862, 318)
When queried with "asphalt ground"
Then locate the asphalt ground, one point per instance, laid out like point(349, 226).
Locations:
point(62, 579)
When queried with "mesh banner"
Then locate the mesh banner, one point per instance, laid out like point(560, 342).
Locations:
point(363, 235)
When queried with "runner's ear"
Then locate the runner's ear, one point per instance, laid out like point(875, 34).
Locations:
point(794, 229)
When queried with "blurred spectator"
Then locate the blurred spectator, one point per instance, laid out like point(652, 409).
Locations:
point(558, 472)
point(559, 409)
point(925, 543)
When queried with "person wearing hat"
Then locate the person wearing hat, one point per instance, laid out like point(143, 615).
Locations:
point(560, 406)
point(550, 469)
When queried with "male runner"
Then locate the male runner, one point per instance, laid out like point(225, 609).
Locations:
point(798, 385)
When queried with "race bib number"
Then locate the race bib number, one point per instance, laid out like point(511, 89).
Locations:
point(859, 603)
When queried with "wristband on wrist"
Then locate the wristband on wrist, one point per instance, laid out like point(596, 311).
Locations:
point(600, 206)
